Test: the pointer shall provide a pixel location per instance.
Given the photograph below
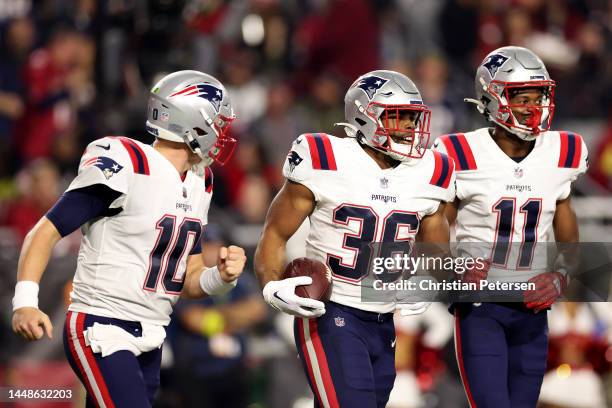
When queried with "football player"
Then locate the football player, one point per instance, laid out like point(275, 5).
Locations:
point(141, 210)
point(379, 184)
point(513, 190)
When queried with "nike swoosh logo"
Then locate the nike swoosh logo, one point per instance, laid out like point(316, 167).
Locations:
point(393, 342)
point(279, 298)
point(107, 147)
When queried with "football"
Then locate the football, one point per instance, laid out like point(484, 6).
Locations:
point(320, 288)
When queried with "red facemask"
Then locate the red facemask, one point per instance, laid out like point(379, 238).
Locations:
point(223, 150)
point(533, 123)
point(414, 140)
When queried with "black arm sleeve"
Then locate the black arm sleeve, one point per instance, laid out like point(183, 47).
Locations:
point(76, 207)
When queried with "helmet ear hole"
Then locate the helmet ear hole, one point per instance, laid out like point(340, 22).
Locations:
point(200, 131)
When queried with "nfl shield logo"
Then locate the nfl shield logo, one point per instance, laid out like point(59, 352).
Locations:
point(384, 182)
point(339, 321)
point(518, 172)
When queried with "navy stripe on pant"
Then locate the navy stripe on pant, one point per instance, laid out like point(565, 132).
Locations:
point(348, 356)
point(501, 352)
point(117, 380)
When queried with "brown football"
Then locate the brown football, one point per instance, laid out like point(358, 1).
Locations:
point(321, 286)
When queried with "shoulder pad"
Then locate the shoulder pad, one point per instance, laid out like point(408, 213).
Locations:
point(139, 160)
point(122, 149)
point(105, 161)
point(443, 170)
point(570, 150)
point(321, 152)
point(458, 149)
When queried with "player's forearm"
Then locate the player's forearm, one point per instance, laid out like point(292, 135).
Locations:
point(191, 286)
point(450, 211)
point(270, 257)
point(565, 227)
point(565, 224)
point(201, 280)
point(434, 228)
point(36, 251)
point(287, 212)
point(433, 238)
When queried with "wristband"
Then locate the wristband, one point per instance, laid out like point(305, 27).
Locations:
point(26, 295)
point(212, 284)
point(212, 323)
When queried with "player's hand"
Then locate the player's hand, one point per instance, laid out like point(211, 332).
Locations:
point(231, 262)
point(477, 273)
point(549, 287)
point(281, 296)
point(31, 323)
point(411, 309)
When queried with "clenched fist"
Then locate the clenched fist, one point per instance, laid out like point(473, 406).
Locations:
point(231, 262)
point(31, 323)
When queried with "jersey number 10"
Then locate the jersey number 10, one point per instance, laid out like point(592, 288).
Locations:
point(168, 252)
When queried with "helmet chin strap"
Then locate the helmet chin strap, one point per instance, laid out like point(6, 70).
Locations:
point(396, 153)
point(520, 133)
point(200, 168)
point(193, 143)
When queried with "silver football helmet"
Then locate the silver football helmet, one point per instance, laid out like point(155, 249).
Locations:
point(194, 108)
point(385, 111)
point(501, 74)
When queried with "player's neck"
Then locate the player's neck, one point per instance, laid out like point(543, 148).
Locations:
point(383, 160)
point(510, 144)
point(176, 153)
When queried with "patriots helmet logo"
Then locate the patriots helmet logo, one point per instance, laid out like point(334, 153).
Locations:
point(294, 160)
point(108, 166)
point(207, 91)
point(371, 84)
point(494, 62)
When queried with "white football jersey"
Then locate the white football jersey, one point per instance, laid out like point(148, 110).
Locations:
point(510, 206)
point(132, 263)
point(358, 203)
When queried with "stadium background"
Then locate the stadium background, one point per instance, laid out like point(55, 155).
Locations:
point(75, 70)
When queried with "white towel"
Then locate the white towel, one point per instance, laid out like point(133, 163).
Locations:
point(107, 339)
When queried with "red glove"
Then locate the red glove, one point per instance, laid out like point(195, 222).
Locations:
point(476, 274)
point(549, 287)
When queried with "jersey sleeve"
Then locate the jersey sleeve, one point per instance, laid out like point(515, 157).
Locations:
point(574, 156)
point(107, 162)
point(440, 145)
point(442, 184)
point(299, 166)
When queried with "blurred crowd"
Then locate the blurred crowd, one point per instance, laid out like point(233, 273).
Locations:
point(72, 71)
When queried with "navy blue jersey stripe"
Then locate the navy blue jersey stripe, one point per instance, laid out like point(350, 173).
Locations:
point(444, 172)
point(571, 149)
point(460, 154)
point(139, 157)
point(322, 153)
